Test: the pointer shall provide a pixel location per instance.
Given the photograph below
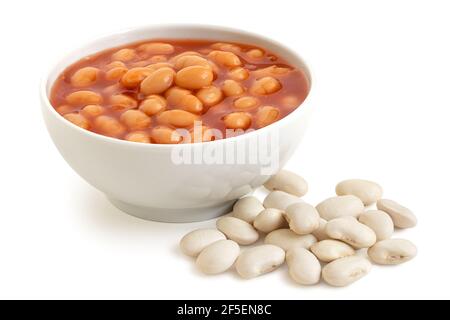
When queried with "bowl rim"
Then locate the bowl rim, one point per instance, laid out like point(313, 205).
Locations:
point(296, 112)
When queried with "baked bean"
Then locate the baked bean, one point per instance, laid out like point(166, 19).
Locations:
point(186, 53)
point(156, 48)
point(122, 101)
point(290, 102)
point(225, 47)
point(112, 89)
point(84, 98)
point(232, 88)
point(115, 64)
point(133, 77)
point(194, 77)
point(109, 126)
point(224, 58)
point(84, 77)
point(138, 136)
point(152, 105)
point(165, 135)
point(135, 119)
point(210, 96)
point(177, 118)
point(191, 103)
point(92, 110)
point(77, 119)
point(157, 59)
point(267, 115)
point(238, 120)
point(265, 86)
point(158, 82)
point(246, 103)
point(159, 65)
point(115, 73)
point(65, 109)
point(238, 74)
point(191, 60)
point(201, 134)
point(124, 55)
point(272, 71)
point(175, 94)
point(255, 53)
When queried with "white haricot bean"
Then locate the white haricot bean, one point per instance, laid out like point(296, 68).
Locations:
point(280, 200)
point(289, 182)
point(303, 218)
point(345, 271)
point(194, 242)
point(336, 207)
point(379, 221)
point(247, 209)
point(402, 216)
point(352, 232)
point(320, 233)
point(270, 219)
point(392, 251)
point(330, 250)
point(259, 260)
point(369, 192)
point(218, 257)
point(288, 239)
point(304, 268)
point(237, 230)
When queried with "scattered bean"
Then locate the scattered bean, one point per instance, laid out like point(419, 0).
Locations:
point(288, 239)
point(195, 241)
point(269, 220)
point(336, 207)
point(352, 232)
point(247, 209)
point(304, 268)
point(289, 182)
point(280, 200)
point(237, 230)
point(259, 260)
point(369, 192)
point(392, 251)
point(345, 271)
point(379, 221)
point(401, 216)
point(218, 257)
point(303, 218)
point(330, 250)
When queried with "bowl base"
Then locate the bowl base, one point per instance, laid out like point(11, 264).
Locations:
point(173, 215)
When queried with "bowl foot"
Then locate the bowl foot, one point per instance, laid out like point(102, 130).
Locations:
point(173, 215)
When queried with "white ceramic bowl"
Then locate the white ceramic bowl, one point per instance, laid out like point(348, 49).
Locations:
point(142, 179)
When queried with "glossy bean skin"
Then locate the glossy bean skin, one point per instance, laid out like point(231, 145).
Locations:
point(227, 59)
point(124, 55)
point(232, 88)
point(152, 105)
point(122, 102)
point(156, 48)
point(135, 119)
point(158, 81)
point(191, 103)
point(239, 74)
point(92, 110)
point(85, 77)
point(177, 118)
point(246, 103)
point(210, 96)
point(267, 115)
point(190, 60)
point(165, 135)
point(194, 77)
point(77, 119)
point(138, 136)
point(238, 120)
point(265, 86)
point(116, 73)
point(109, 126)
point(84, 98)
point(133, 77)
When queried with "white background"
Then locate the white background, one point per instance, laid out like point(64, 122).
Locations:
point(381, 71)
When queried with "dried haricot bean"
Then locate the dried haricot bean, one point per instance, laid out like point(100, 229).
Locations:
point(392, 251)
point(280, 200)
point(380, 222)
point(304, 268)
point(340, 206)
point(270, 219)
point(259, 260)
point(195, 241)
point(303, 218)
point(320, 233)
point(247, 209)
point(218, 257)
point(289, 182)
point(345, 271)
point(329, 250)
point(402, 216)
point(237, 230)
point(288, 239)
point(351, 231)
point(369, 192)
